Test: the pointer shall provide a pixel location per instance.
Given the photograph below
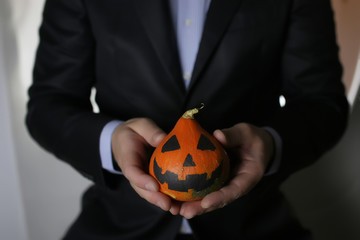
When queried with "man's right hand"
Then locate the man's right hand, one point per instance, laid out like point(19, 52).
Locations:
point(130, 145)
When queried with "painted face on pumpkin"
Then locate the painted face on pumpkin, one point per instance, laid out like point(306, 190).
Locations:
point(198, 181)
point(189, 163)
point(189, 167)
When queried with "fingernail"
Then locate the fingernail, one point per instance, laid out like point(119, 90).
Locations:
point(172, 211)
point(186, 215)
point(189, 216)
point(220, 136)
point(159, 136)
point(150, 187)
point(206, 205)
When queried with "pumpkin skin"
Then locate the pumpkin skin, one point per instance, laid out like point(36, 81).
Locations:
point(189, 163)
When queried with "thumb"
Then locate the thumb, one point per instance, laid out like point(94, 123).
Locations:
point(146, 128)
point(232, 137)
point(220, 136)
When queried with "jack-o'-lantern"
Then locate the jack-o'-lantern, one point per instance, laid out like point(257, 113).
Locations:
point(189, 163)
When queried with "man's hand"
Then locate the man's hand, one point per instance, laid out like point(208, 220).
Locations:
point(130, 144)
point(253, 149)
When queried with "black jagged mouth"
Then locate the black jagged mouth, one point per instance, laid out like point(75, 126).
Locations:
point(197, 182)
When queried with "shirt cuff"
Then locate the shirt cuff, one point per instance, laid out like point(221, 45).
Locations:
point(105, 146)
point(274, 167)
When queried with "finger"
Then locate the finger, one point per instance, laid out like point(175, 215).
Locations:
point(175, 208)
point(157, 198)
point(229, 137)
point(237, 188)
point(247, 141)
point(191, 209)
point(220, 136)
point(148, 130)
point(133, 167)
point(232, 137)
point(131, 157)
point(140, 179)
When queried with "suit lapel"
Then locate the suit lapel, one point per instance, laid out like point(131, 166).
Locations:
point(156, 17)
point(218, 18)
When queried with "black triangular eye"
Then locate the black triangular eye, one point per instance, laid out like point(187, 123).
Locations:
point(171, 145)
point(205, 143)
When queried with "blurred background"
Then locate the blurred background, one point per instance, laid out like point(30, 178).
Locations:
point(40, 195)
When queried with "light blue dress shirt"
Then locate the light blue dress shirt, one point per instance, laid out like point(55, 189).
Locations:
point(188, 19)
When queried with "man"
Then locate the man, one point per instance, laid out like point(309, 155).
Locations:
point(147, 70)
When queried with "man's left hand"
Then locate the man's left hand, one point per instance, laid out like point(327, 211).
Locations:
point(253, 149)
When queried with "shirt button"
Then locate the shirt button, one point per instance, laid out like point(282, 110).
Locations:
point(188, 22)
point(187, 76)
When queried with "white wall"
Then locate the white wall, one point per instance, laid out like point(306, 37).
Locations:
point(42, 194)
point(12, 221)
point(46, 196)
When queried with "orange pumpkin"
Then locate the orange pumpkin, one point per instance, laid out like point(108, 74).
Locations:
point(189, 163)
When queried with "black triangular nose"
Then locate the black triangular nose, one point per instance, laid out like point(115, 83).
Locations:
point(189, 161)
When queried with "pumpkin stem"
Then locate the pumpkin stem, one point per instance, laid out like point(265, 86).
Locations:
point(189, 114)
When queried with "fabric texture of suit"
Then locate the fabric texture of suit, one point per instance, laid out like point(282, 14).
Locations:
point(251, 52)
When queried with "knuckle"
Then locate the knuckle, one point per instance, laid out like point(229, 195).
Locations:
point(236, 195)
point(131, 121)
point(127, 175)
point(223, 204)
point(134, 122)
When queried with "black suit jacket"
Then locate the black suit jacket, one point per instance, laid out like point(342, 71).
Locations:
point(251, 52)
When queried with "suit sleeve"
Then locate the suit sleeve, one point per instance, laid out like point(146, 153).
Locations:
point(316, 110)
point(60, 116)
